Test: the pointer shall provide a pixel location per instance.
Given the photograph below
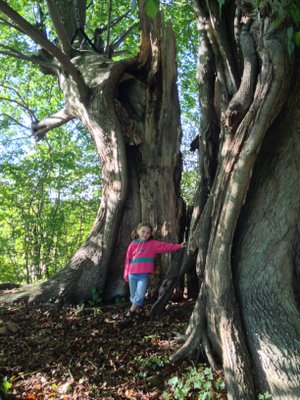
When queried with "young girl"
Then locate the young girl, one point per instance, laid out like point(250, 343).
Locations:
point(139, 263)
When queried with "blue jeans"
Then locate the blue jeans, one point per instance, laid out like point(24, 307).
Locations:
point(138, 285)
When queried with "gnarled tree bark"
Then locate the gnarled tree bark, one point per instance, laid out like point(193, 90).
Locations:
point(131, 110)
point(225, 319)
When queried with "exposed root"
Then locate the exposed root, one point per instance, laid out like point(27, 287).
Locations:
point(196, 330)
point(18, 294)
point(207, 350)
point(191, 346)
point(172, 277)
point(179, 337)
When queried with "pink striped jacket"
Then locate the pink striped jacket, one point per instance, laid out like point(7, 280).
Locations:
point(141, 255)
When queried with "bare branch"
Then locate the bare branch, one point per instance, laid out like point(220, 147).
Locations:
point(60, 30)
point(21, 104)
point(33, 58)
point(12, 89)
point(17, 139)
point(40, 39)
point(114, 22)
point(123, 36)
point(9, 117)
point(107, 50)
point(40, 128)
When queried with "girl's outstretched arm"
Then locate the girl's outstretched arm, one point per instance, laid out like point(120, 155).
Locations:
point(167, 247)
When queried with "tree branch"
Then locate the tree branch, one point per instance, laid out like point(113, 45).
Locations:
point(33, 58)
point(107, 50)
point(7, 23)
point(21, 104)
point(145, 28)
point(40, 128)
point(60, 30)
point(123, 36)
point(12, 89)
point(9, 117)
point(40, 39)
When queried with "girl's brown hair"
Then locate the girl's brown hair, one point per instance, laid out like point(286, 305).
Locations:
point(134, 234)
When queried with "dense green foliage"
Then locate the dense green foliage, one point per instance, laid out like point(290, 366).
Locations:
point(49, 199)
point(50, 190)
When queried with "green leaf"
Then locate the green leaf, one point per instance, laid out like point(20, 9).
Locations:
point(297, 39)
point(152, 7)
point(6, 385)
point(173, 381)
point(208, 373)
point(204, 396)
point(264, 396)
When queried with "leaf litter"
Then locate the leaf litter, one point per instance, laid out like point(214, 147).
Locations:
point(91, 353)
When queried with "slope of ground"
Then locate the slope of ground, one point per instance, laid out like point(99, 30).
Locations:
point(91, 353)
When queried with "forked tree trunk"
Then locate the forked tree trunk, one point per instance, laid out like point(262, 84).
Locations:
point(248, 334)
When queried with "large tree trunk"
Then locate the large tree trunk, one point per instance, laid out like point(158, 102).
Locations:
point(267, 256)
point(238, 315)
point(154, 159)
point(131, 110)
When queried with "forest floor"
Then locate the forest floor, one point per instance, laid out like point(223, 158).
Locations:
point(92, 353)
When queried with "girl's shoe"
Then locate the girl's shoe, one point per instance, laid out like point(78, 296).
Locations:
point(128, 314)
point(131, 315)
